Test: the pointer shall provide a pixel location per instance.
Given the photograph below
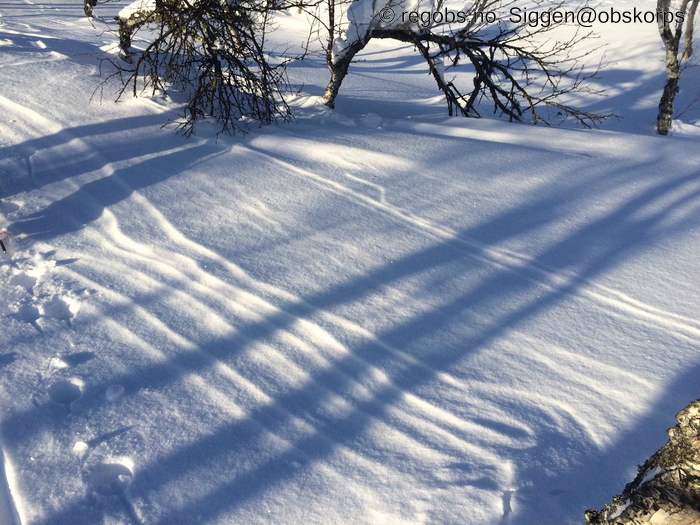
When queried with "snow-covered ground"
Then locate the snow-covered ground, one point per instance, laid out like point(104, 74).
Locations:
point(378, 315)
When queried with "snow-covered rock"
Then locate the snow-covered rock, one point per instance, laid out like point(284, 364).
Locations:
point(667, 489)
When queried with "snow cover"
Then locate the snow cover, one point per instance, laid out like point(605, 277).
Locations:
point(375, 315)
point(139, 6)
point(365, 15)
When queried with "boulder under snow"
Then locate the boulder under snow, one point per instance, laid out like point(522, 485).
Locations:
point(666, 490)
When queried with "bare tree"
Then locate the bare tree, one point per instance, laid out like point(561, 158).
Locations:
point(671, 31)
point(212, 52)
point(215, 51)
point(522, 70)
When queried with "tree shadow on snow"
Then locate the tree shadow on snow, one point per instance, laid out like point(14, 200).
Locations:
point(658, 211)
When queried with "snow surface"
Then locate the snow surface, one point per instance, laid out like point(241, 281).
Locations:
point(377, 315)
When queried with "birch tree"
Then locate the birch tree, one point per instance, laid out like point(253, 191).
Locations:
point(678, 51)
point(522, 71)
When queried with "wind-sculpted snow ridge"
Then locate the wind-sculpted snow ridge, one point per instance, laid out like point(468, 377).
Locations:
point(354, 318)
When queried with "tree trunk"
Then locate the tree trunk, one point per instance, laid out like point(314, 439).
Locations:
point(671, 37)
point(690, 30)
point(673, 73)
point(124, 38)
point(88, 7)
point(339, 70)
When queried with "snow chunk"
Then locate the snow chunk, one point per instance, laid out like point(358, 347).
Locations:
point(80, 449)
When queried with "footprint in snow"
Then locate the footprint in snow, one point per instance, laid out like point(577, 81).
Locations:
point(64, 361)
point(111, 477)
point(24, 280)
point(63, 308)
point(65, 392)
point(26, 272)
point(28, 313)
point(77, 358)
point(114, 392)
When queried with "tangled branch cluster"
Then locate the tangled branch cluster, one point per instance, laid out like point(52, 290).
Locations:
point(212, 53)
point(521, 72)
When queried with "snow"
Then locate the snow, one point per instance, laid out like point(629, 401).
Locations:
point(365, 15)
point(620, 509)
point(650, 475)
point(136, 8)
point(373, 315)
